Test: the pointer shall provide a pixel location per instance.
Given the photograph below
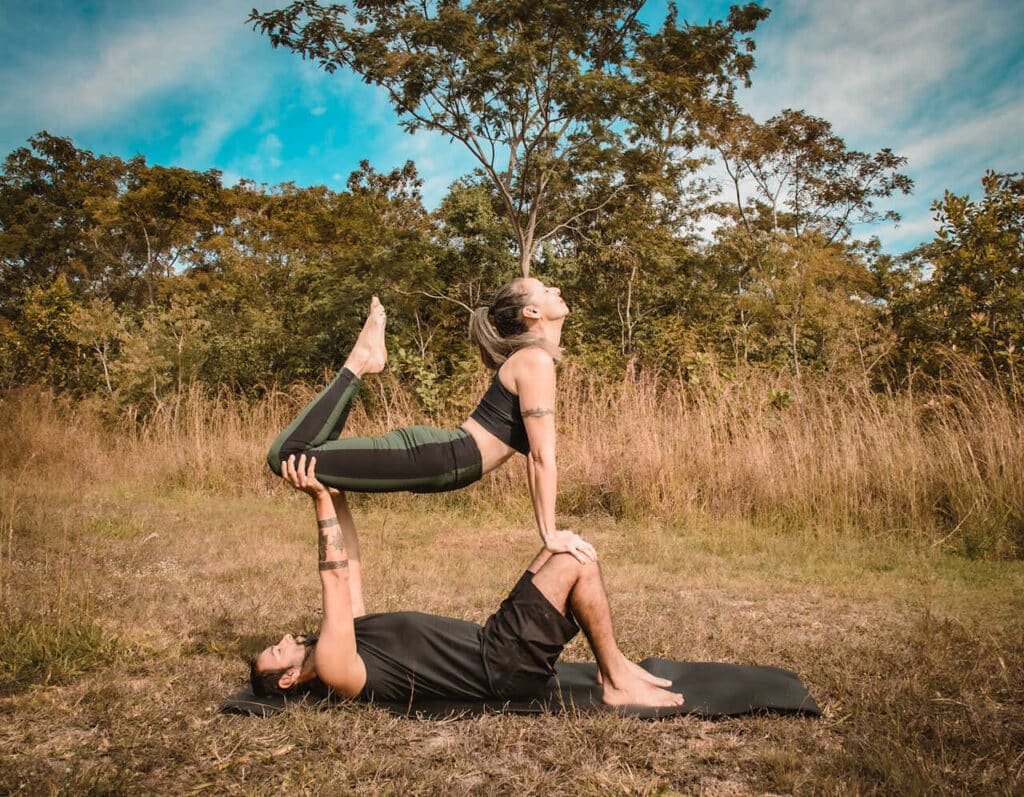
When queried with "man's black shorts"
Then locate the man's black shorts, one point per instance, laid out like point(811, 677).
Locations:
point(522, 640)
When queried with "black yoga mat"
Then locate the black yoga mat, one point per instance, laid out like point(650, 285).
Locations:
point(711, 690)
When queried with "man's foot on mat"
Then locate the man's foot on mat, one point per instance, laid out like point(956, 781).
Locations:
point(635, 692)
point(370, 354)
point(641, 673)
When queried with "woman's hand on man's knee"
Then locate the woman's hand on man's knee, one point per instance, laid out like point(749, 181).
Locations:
point(566, 541)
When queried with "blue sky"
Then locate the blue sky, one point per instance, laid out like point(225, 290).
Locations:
point(190, 84)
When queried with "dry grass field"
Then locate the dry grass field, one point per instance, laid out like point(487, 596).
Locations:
point(867, 543)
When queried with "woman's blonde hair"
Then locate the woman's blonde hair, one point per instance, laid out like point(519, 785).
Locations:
point(500, 330)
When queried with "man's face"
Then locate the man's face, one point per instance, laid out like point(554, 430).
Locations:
point(289, 652)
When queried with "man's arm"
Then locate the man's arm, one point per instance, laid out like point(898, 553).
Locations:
point(337, 663)
point(351, 542)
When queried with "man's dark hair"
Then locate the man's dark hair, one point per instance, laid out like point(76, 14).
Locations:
point(265, 684)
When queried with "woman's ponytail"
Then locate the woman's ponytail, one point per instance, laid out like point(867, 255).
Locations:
point(484, 335)
point(500, 330)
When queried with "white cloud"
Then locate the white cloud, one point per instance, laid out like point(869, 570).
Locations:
point(439, 162)
point(864, 65)
point(96, 85)
point(270, 150)
point(927, 79)
point(975, 138)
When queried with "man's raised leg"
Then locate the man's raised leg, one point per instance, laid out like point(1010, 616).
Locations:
point(563, 580)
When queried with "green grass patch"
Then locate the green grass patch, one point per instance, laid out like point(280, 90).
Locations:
point(113, 528)
point(41, 652)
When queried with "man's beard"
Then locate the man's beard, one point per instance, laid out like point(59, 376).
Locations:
point(309, 642)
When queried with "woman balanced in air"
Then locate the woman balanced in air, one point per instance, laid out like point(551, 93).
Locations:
point(518, 336)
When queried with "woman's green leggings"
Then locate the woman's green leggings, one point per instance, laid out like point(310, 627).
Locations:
point(420, 459)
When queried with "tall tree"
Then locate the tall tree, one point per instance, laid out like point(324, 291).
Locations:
point(969, 291)
point(550, 96)
point(157, 221)
point(47, 222)
point(794, 173)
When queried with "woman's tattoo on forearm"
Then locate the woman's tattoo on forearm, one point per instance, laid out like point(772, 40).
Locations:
point(537, 413)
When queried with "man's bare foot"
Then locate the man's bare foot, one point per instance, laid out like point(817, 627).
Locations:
point(631, 691)
point(641, 673)
point(370, 354)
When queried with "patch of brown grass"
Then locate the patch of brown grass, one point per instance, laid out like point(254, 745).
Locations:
point(824, 458)
point(174, 542)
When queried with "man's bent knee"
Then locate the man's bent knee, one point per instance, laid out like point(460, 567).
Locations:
point(570, 564)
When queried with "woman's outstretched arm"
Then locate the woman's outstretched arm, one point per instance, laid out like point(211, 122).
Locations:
point(536, 387)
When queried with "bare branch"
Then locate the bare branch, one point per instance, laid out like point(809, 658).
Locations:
point(578, 216)
point(440, 296)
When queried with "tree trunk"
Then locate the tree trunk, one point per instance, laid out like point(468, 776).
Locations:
point(796, 353)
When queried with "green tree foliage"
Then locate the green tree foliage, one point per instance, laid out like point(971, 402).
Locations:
point(793, 173)
point(792, 300)
point(964, 291)
point(47, 225)
point(139, 280)
point(556, 100)
point(98, 328)
point(41, 348)
point(155, 224)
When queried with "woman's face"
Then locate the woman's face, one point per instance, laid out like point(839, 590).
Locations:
point(546, 299)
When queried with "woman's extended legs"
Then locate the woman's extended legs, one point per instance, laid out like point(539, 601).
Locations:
point(416, 458)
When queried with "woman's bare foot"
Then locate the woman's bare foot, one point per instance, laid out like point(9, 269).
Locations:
point(641, 673)
point(632, 691)
point(370, 354)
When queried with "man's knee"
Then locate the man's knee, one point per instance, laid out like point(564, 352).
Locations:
point(571, 565)
point(274, 461)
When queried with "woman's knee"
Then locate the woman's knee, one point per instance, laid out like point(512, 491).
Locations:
point(274, 459)
point(281, 450)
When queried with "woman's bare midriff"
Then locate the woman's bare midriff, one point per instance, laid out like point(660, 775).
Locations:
point(493, 452)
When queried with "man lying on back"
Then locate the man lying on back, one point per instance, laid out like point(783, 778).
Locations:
point(398, 656)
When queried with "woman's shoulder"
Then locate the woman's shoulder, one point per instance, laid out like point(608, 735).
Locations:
point(527, 363)
point(530, 357)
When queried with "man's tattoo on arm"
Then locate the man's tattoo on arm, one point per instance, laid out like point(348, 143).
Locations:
point(334, 565)
point(328, 523)
point(537, 413)
point(334, 541)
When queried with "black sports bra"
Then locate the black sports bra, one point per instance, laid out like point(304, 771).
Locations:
point(498, 412)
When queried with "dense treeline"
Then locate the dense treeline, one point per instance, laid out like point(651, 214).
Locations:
point(138, 281)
